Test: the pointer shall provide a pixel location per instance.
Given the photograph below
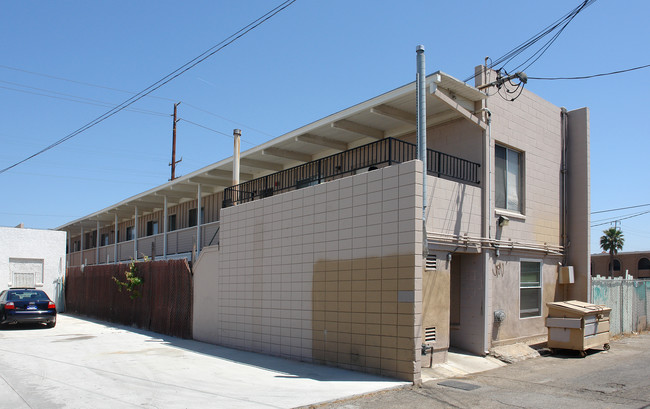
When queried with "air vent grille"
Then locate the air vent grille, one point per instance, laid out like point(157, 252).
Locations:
point(431, 262)
point(430, 334)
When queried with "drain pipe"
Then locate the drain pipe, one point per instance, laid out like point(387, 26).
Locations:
point(421, 101)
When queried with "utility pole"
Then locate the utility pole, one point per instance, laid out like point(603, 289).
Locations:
point(174, 161)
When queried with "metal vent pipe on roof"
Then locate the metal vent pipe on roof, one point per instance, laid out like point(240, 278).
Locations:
point(235, 157)
point(421, 96)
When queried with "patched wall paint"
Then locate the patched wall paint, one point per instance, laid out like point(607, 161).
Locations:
point(330, 274)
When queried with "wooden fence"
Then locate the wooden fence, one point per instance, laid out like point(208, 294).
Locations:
point(164, 306)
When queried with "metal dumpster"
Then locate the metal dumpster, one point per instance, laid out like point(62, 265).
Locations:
point(577, 325)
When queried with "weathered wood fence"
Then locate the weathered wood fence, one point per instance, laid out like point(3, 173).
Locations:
point(165, 304)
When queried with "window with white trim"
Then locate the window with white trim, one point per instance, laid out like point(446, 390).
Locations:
point(508, 177)
point(530, 289)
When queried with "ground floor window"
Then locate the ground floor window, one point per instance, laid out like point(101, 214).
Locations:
point(530, 289)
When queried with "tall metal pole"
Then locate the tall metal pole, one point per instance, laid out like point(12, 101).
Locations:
point(422, 123)
point(174, 162)
point(236, 133)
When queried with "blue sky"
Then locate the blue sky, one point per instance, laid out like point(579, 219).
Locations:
point(311, 60)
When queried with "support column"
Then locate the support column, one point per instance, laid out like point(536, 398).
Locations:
point(81, 257)
point(116, 237)
point(135, 235)
point(165, 227)
point(97, 242)
point(70, 249)
point(198, 221)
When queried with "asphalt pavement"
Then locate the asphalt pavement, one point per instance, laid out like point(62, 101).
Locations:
point(90, 364)
point(618, 378)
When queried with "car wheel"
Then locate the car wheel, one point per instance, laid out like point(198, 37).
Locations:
point(51, 324)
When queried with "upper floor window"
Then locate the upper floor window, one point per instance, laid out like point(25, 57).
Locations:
point(104, 239)
point(129, 233)
point(192, 217)
point(171, 222)
point(152, 227)
point(508, 178)
point(644, 264)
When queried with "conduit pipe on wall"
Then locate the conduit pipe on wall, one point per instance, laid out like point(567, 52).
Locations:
point(467, 241)
point(563, 170)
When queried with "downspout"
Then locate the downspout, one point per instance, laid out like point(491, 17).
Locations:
point(563, 199)
point(421, 97)
point(563, 170)
point(487, 220)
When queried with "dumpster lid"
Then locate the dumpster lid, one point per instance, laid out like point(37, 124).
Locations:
point(578, 306)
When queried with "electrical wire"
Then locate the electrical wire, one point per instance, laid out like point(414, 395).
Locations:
point(512, 54)
point(584, 77)
point(213, 130)
point(620, 208)
point(166, 79)
point(621, 218)
point(77, 99)
point(185, 103)
point(226, 119)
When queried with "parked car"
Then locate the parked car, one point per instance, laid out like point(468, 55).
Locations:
point(26, 305)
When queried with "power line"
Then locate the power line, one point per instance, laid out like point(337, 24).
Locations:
point(561, 22)
point(74, 98)
point(226, 119)
point(166, 79)
point(620, 208)
point(621, 218)
point(213, 130)
point(76, 82)
point(584, 77)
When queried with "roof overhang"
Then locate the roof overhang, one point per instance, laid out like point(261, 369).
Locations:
point(392, 114)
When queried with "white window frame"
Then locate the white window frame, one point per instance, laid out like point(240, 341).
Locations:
point(520, 180)
point(540, 287)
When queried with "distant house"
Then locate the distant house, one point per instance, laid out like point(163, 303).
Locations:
point(321, 253)
point(635, 263)
point(33, 258)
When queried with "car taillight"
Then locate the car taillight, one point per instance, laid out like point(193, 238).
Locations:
point(51, 305)
point(10, 306)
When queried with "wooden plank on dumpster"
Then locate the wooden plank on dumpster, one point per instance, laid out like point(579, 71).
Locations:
point(552, 322)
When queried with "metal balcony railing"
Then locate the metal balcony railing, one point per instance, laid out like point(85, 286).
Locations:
point(383, 152)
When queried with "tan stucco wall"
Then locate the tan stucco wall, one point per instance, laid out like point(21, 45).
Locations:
point(533, 126)
point(329, 274)
point(453, 208)
point(435, 308)
point(579, 204)
point(629, 262)
point(505, 279)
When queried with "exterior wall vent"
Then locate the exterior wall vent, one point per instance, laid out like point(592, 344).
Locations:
point(430, 263)
point(430, 334)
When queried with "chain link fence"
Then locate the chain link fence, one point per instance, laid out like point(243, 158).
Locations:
point(164, 304)
point(628, 299)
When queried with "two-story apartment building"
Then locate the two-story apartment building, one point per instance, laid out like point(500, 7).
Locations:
point(321, 253)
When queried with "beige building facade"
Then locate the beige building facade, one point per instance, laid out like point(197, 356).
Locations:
point(634, 263)
point(325, 254)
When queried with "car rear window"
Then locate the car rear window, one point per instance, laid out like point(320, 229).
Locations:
point(23, 295)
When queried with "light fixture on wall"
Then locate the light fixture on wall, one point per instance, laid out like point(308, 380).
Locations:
point(503, 221)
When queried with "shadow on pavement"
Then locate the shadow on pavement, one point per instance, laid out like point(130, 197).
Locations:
point(287, 368)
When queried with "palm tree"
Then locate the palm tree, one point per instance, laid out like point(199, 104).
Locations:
point(612, 241)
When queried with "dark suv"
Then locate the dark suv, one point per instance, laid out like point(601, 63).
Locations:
point(26, 305)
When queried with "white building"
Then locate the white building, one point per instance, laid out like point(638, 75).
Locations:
point(33, 258)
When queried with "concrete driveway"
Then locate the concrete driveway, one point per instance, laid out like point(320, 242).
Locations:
point(82, 363)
